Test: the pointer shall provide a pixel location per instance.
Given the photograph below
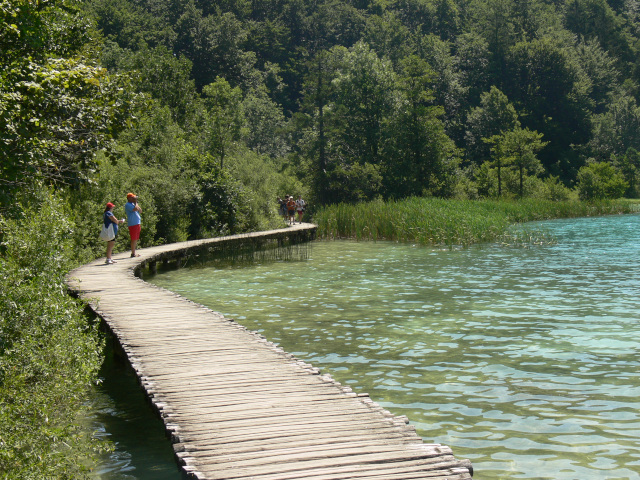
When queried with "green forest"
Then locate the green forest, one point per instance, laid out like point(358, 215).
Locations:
point(210, 110)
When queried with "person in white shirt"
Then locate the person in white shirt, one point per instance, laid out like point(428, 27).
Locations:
point(300, 206)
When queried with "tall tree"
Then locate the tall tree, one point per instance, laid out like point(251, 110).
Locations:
point(494, 116)
point(447, 24)
point(214, 43)
point(362, 100)
point(159, 73)
point(599, 67)
point(318, 92)
point(387, 36)
point(265, 125)
point(351, 94)
point(472, 61)
point(524, 145)
point(448, 83)
point(334, 23)
point(616, 130)
point(495, 20)
point(550, 91)
point(223, 118)
point(419, 158)
point(418, 15)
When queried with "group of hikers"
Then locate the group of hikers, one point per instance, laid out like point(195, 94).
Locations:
point(289, 207)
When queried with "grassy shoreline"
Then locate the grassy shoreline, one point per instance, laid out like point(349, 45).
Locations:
point(433, 221)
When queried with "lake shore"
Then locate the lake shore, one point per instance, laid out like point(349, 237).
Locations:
point(433, 221)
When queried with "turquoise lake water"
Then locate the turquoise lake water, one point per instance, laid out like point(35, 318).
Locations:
point(122, 414)
point(522, 359)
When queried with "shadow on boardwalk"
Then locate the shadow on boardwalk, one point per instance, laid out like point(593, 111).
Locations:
point(237, 406)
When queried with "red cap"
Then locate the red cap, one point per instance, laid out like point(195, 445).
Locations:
point(110, 205)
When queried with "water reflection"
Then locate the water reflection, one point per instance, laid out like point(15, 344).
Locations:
point(524, 360)
point(122, 415)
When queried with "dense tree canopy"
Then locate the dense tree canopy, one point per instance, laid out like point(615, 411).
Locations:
point(337, 71)
point(354, 99)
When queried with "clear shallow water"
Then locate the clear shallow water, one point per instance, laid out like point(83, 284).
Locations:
point(524, 360)
point(122, 414)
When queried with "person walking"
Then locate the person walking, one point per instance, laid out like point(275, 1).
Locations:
point(282, 208)
point(133, 211)
point(300, 207)
point(108, 219)
point(291, 209)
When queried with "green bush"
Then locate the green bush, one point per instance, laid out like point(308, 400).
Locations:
point(49, 354)
point(600, 180)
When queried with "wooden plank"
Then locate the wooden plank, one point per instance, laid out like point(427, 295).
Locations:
point(265, 400)
point(233, 380)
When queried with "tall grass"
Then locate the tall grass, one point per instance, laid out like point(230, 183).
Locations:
point(432, 221)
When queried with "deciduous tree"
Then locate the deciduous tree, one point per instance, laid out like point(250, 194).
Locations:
point(223, 118)
point(494, 116)
point(419, 158)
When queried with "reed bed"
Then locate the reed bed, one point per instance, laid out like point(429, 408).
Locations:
point(432, 221)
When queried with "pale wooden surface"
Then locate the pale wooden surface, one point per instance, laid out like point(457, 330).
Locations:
point(239, 407)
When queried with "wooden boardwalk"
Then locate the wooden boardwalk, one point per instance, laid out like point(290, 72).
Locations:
point(237, 406)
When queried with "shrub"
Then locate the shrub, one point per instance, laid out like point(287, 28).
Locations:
point(600, 180)
point(551, 188)
point(49, 355)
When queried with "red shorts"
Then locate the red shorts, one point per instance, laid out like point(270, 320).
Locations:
point(134, 232)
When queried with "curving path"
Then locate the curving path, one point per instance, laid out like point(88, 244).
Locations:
point(235, 405)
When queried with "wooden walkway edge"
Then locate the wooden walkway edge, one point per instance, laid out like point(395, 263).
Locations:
point(237, 406)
